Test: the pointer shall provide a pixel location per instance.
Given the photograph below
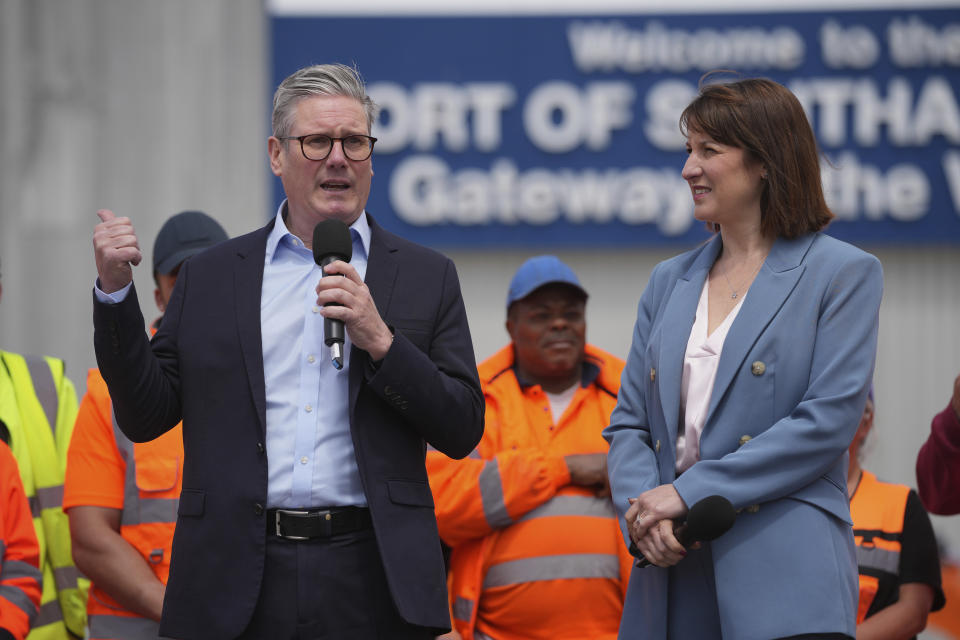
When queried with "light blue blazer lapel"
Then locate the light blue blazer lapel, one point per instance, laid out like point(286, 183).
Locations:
point(770, 289)
point(678, 317)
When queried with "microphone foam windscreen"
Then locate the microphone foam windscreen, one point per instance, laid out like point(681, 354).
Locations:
point(710, 518)
point(331, 238)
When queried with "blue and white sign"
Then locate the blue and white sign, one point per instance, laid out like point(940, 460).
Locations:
point(562, 130)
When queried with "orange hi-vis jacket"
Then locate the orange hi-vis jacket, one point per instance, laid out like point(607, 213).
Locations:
point(20, 577)
point(143, 480)
point(532, 556)
point(877, 507)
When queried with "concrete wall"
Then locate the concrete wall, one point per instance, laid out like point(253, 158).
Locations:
point(146, 108)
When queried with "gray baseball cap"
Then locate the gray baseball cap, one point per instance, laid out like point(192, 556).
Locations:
point(184, 235)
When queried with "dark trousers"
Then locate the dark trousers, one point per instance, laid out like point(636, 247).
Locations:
point(327, 589)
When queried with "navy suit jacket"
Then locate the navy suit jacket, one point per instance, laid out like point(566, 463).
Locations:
point(790, 388)
point(205, 365)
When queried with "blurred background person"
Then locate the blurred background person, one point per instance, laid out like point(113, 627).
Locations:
point(760, 344)
point(20, 577)
point(122, 497)
point(896, 550)
point(938, 463)
point(38, 406)
point(536, 550)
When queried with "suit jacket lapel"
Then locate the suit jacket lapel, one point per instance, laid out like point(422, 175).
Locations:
point(770, 289)
point(248, 282)
point(678, 317)
point(380, 278)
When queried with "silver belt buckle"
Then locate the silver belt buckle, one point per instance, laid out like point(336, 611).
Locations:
point(291, 512)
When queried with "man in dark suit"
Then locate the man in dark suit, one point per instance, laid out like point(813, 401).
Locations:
point(305, 510)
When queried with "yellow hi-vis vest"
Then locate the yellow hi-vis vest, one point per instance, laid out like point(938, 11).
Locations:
point(39, 412)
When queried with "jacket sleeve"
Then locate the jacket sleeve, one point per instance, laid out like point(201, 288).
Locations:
point(427, 388)
point(144, 382)
point(938, 465)
point(631, 462)
point(797, 449)
point(490, 489)
point(20, 576)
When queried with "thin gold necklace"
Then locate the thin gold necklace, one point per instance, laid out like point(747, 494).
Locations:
point(735, 293)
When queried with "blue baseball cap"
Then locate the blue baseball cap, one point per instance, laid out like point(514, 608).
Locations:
point(183, 235)
point(537, 272)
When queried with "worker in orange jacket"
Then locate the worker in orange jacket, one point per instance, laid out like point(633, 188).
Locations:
point(20, 577)
point(536, 551)
point(122, 497)
point(896, 550)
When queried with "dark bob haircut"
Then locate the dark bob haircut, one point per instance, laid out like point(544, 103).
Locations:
point(766, 120)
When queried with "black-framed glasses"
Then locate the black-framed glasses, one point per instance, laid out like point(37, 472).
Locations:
point(317, 146)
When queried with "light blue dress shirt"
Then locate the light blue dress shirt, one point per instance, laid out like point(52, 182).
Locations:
point(310, 457)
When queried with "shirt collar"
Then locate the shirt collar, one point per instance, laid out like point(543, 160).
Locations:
point(359, 229)
point(588, 374)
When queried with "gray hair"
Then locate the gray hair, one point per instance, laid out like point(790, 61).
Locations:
point(319, 80)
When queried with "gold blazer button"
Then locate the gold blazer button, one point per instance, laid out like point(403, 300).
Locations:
point(745, 439)
point(757, 368)
point(653, 374)
point(657, 446)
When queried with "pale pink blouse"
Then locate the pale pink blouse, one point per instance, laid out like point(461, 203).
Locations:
point(700, 363)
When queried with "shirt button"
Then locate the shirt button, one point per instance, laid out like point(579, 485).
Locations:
point(316, 309)
point(311, 359)
point(258, 509)
point(308, 408)
point(304, 460)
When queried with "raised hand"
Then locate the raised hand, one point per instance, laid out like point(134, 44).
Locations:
point(116, 251)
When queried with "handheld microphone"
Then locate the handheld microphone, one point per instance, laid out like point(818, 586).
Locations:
point(332, 241)
point(707, 520)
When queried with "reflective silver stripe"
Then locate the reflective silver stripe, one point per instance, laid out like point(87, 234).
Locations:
point(463, 609)
point(491, 495)
point(106, 627)
point(45, 388)
point(34, 506)
point(19, 599)
point(66, 577)
point(18, 569)
point(881, 559)
point(473, 455)
point(137, 510)
point(49, 614)
point(572, 506)
point(579, 565)
point(152, 510)
point(50, 497)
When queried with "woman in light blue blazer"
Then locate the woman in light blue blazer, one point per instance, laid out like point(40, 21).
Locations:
point(749, 368)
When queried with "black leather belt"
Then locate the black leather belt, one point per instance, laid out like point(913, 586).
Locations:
point(304, 524)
